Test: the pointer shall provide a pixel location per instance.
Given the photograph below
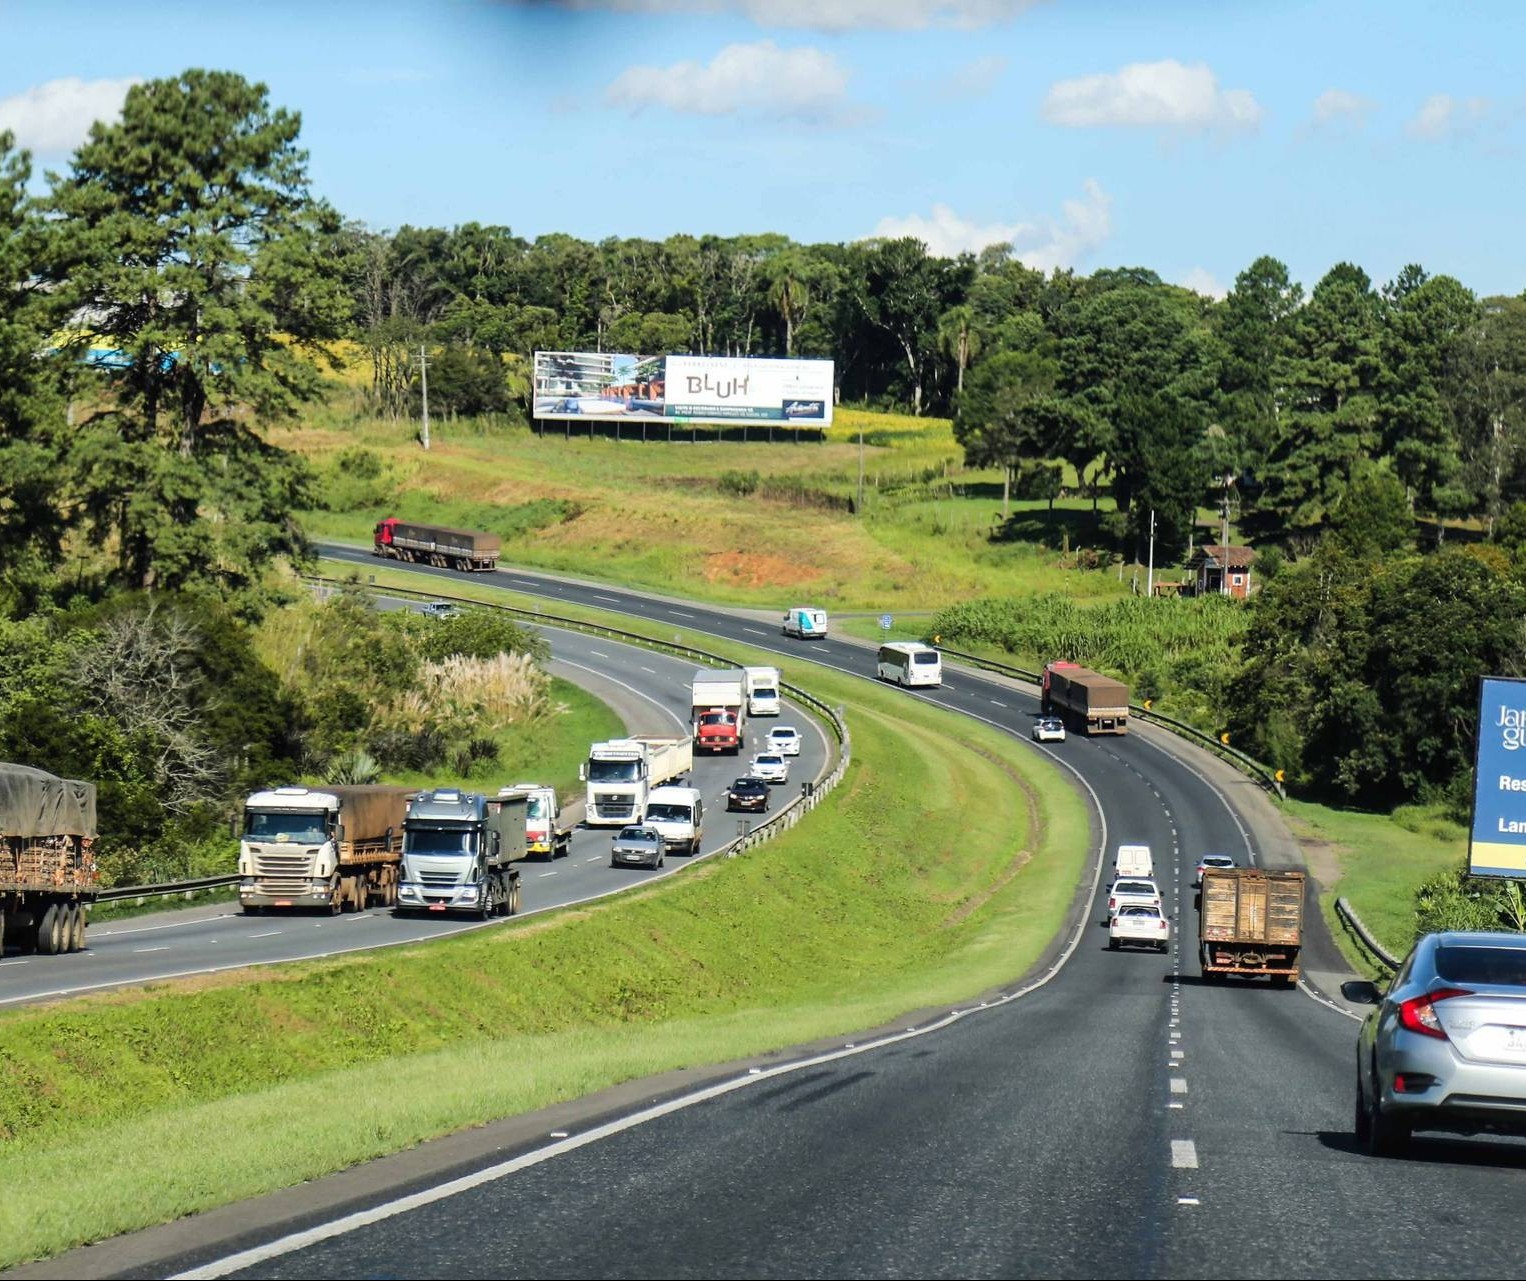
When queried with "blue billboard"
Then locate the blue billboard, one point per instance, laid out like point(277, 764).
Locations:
point(1497, 840)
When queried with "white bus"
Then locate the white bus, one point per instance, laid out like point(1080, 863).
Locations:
point(908, 663)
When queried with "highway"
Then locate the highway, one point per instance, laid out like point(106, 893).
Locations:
point(650, 690)
point(1112, 1117)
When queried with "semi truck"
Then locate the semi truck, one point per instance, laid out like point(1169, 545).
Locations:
point(621, 773)
point(718, 700)
point(439, 545)
point(48, 873)
point(459, 852)
point(546, 834)
point(1087, 701)
point(1250, 922)
point(337, 848)
point(762, 688)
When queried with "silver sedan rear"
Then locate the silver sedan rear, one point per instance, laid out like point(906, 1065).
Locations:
point(1445, 1047)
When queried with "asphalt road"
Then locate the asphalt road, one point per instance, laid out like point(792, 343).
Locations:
point(1116, 1118)
point(651, 691)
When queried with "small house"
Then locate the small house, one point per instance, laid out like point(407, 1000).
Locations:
point(1219, 570)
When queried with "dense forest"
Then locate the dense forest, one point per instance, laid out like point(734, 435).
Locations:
point(1368, 440)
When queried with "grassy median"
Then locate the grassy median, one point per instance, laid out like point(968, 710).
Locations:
point(940, 868)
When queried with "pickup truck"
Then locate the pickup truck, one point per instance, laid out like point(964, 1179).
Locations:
point(1129, 891)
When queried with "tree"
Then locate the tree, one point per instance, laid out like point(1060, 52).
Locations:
point(1485, 392)
point(1001, 418)
point(177, 240)
point(1371, 518)
point(1255, 325)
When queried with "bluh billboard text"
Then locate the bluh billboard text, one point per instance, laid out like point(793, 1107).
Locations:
point(1497, 839)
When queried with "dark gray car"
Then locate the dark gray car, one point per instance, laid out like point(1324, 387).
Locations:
point(1445, 1047)
point(639, 846)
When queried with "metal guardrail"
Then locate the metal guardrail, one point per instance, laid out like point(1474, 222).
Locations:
point(1247, 764)
point(1353, 922)
point(119, 893)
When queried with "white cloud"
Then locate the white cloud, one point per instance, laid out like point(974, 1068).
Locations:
point(750, 79)
point(56, 116)
point(1046, 243)
point(834, 15)
point(1337, 105)
point(1152, 94)
point(1202, 281)
point(973, 79)
point(1443, 116)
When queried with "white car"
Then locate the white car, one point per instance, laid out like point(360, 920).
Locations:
point(1131, 891)
point(770, 767)
point(1137, 923)
point(784, 739)
point(1049, 729)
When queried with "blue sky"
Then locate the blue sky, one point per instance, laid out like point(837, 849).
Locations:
point(1188, 137)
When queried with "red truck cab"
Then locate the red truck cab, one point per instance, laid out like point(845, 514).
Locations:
point(716, 730)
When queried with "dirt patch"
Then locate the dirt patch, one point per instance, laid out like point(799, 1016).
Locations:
point(756, 569)
point(1322, 858)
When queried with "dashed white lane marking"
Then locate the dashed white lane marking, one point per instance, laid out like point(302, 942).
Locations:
point(1183, 1154)
point(268, 934)
point(679, 613)
point(754, 631)
point(650, 670)
point(558, 1134)
point(597, 858)
point(1188, 1200)
point(996, 702)
point(1178, 1085)
point(546, 874)
point(613, 599)
point(164, 948)
point(1178, 1054)
point(598, 653)
point(1174, 1105)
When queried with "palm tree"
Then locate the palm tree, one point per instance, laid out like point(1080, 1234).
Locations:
point(959, 339)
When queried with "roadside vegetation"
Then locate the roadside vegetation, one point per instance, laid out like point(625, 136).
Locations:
point(940, 868)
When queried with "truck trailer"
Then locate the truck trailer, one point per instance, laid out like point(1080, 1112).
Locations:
point(438, 545)
point(621, 773)
point(459, 853)
point(718, 703)
point(337, 848)
point(1250, 922)
point(1087, 701)
point(48, 873)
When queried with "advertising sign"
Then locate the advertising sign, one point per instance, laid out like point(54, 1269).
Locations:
point(689, 389)
point(1497, 841)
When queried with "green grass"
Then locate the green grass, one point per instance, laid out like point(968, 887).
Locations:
point(940, 868)
point(1381, 860)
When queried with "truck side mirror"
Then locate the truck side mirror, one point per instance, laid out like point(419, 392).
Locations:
point(583, 773)
point(235, 826)
point(497, 844)
point(339, 833)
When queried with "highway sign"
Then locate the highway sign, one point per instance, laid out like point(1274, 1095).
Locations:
point(885, 622)
point(1497, 837)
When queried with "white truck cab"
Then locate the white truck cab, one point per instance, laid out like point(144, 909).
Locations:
point(679, 814)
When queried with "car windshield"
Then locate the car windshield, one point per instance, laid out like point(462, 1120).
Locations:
point(302, 829)
point(614, 771)
point(1217, 860)
point(434, 840)
point(1134, 887)
point(783, 732)
point(1505, 966)
point(746, 785)
point(1139, 911)
point(770, 760)
point(669, 813)
point(634, 834)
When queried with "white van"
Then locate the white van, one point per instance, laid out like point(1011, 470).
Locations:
point(909, 663)
point(762, 687)
point(805, 621)
point(1133, 860)
point(679, 814)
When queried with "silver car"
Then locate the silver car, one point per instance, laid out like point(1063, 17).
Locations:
point(643, 846)
point(1445, 1047)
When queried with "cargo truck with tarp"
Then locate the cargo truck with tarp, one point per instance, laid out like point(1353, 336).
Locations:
point(438, 545)
point(1250, 922)
point(48, 874)
point(1087, 701)
point(336, 848)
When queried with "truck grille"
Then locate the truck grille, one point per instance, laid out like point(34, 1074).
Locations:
point(285, 863)
point(439, 880)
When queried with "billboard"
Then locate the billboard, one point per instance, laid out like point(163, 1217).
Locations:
point(688, 389)
point(1497, 839)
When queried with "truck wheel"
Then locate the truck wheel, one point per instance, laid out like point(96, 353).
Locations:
point(2, 933)
point(1112, 945)
point(76, 928)
point(1284, 980)
point(47, 931)
point(252, 909)
point(488, 904)
point(514, 900)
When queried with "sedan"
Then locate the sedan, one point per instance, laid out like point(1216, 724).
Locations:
point(639, 846)
point(770, 767)
point(1049, 729)
point(1445, 1047)
point(784, 739)
point(1131, 892)
point(1137, 924)
point(1216, 861)
point(748, 794)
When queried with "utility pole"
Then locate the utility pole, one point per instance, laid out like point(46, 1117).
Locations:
point(858, 508)
point(1224, 540)
point(1150, 576)
point(424, 376)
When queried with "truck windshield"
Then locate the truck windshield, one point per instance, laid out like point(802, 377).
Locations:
point(765, 691)
point(669, 813)
point(614, 771)
point(433, 840)
point(717, 718)
point(924, 656)
point(300, 829)
point(536, 807)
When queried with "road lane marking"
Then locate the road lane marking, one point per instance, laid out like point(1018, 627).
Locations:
point(996, 702)
point(754, 631)
point(597, 858)
point(598, 653)
point(161, 948)
point(1188, 1200)
point(545, 874)
point(269, 934)
point(615, 600)
point(650, 671)
point(678, 613)
point(1183, 1154)
point(1178, 1085)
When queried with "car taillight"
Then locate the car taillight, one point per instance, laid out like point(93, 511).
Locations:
point(1418, 1014)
